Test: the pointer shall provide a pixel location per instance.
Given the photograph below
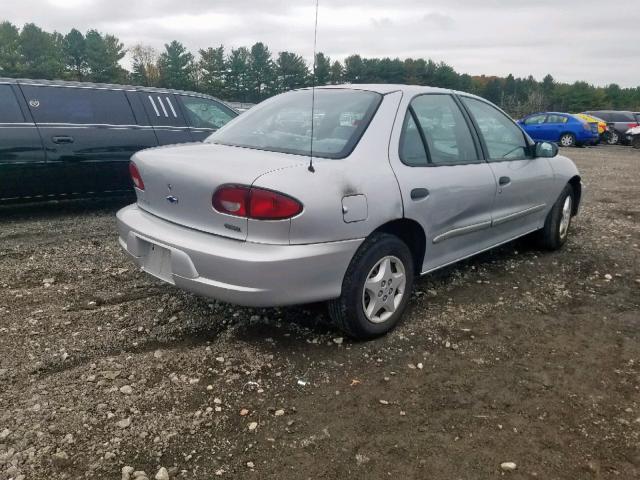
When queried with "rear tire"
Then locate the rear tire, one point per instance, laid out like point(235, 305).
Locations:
point(613, 138)
point(567, 140)
point(376, 288)
point(635, 141)
point(555, 232)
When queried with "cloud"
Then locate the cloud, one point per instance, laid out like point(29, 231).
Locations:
point(568, 39)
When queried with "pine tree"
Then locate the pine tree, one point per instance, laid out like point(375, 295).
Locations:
point(336, 75)
point(213, 70)
point(323, 69)
point(261, 72)
point(75, 54)
point(41, 53)
point(103, 55)
point(237, 66)
point(176, 66)
point(292, 71)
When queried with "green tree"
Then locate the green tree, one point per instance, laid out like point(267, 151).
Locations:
point(75, 54)
point(261, 72)
point(103, 55)
point(176, 66)
point(237, 77)
point(9, 50)
point(354, 71)
point(323, 69)
point(41, 53)
point(212, 70)
point(291, 71)
point(336, 75)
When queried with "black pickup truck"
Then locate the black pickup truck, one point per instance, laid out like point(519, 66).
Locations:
point(65, 139)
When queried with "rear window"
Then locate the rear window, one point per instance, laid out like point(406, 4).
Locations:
point(283, 124)
point(9, 108)
point(78, 105)
point(205, 113)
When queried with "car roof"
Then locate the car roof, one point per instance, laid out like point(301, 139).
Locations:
point(105, 86)
point(608, 111)
point(385, 88)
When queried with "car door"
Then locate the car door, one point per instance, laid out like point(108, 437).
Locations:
point(204, 115)
point(165, 116)
point(91, 132)
point(23, 170)
point(524, 182)
point(555, 125)
point(445, 184)
point(534, 126)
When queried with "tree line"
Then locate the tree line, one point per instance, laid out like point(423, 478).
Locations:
point(251, 74)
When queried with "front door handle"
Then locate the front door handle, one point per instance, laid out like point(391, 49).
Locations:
point(62, 139)
point(504, 181)
point(419, 193)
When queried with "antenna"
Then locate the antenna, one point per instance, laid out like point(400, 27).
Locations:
point(313, 89)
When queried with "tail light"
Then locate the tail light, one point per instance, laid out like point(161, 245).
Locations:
point(632, 125)
point(254, 203)
point(135, 176)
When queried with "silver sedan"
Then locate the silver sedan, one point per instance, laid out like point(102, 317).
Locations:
point(345, 198)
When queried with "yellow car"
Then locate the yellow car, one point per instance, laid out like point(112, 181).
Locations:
point(602, 125)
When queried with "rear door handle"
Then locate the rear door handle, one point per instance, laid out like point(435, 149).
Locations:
point(62, 139)
point(504, 181)
point(419, 193)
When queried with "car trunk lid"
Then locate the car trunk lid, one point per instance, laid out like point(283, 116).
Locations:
point(179, 182)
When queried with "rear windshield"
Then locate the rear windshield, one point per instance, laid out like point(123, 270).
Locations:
point(283, 123)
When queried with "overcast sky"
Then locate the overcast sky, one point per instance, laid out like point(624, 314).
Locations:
point(571, 39)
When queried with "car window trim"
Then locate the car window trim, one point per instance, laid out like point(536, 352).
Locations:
point(485, 149)
point(430, 163)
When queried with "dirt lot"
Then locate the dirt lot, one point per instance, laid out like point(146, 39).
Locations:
point(516, 355)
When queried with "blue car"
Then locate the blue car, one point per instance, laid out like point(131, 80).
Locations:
point(562, 128)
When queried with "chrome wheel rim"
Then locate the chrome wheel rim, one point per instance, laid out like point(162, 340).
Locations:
point(565, 219)
point(613, 138)
point(566, 141)
point(384, 289)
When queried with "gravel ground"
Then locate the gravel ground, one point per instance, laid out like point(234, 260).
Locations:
point(516, 355)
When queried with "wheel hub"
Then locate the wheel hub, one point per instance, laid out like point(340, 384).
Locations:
point(384, 289)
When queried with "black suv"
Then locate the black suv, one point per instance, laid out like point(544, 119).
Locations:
point(71, 138)
point(618, 122)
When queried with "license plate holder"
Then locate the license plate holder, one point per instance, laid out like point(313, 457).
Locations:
point(157, 262)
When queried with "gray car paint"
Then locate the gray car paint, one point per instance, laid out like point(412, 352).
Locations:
point(304, 259)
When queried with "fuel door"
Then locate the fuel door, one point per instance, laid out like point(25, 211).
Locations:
point(354, 208)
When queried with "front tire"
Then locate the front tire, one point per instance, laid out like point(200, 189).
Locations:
point(375, 289)
point(555, 232)
point(567, 140)
point(635, 141)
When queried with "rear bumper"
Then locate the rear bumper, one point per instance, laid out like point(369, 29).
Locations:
point(244, 273)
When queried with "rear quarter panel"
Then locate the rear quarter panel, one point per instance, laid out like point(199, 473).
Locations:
point(366, 171)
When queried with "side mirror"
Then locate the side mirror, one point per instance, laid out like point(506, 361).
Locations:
point(546, 150)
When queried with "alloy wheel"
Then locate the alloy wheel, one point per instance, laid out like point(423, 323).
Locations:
point(566, 140)
point(565, 218)
point(384, 289)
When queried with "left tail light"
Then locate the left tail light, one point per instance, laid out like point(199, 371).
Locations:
point(255, 203)
point(135, 176)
